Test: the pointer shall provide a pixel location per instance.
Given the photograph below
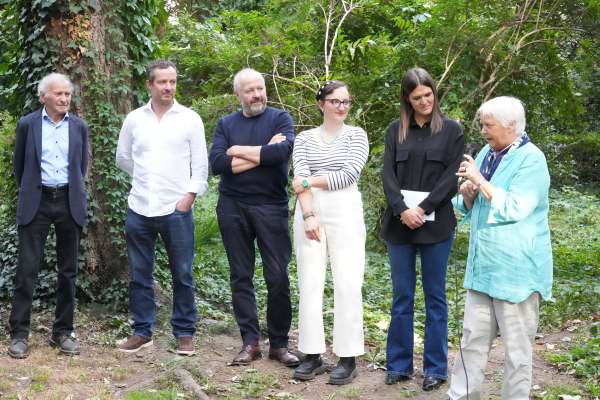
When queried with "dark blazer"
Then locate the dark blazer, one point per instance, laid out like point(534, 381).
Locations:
point(27, 167)
point(427, 163)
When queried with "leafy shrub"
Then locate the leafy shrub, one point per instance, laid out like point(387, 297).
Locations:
point(582, 152)
point(575, 226)
point(8, 187)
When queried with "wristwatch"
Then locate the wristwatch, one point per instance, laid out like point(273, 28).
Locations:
point(305, 183)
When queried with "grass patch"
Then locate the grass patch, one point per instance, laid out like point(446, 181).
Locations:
point(557, 392)
point(349, 393)
point(582, 359)
point(153, 394)
point(406, 393)
point(5, 385)
point(119, 373)
point(253, 384)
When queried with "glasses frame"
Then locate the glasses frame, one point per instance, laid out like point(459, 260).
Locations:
point(337, 102)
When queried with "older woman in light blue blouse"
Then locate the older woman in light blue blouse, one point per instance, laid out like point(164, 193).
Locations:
point(505, 197)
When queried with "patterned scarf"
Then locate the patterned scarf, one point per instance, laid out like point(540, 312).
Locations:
point(492, 158)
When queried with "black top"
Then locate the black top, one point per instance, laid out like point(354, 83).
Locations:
point(267, 182)
point(426, 163)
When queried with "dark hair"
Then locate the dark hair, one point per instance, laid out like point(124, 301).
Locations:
point(327, 88)
point(411, 79)
point(158, 64)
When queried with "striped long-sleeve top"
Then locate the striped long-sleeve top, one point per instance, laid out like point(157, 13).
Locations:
point(340, 161)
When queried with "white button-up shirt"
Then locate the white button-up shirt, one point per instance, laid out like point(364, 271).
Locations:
point(165, 158)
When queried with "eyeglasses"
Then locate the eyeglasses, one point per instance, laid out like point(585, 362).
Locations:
point(338, 102)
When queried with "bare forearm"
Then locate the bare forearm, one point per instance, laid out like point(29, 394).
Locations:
point(239, 165)
point(305, 200)
point(318, 182)
point(249, 153)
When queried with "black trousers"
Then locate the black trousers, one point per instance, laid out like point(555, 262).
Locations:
point(241, 224)
point(54, 209)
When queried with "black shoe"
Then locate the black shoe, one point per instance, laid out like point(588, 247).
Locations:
point(311, 366)
point(392, 379)
point(18, 348)
point(345, 372)
point(66, 344)
point(432, 383)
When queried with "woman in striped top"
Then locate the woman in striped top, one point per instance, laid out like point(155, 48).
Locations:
point(328, 223)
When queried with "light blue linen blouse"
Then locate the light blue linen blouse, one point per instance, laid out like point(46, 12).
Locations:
point(510, 254)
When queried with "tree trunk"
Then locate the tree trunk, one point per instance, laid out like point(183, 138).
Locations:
point(89, 39)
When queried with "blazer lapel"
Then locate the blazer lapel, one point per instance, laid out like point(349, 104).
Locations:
point(73, 142)
point(37, 136)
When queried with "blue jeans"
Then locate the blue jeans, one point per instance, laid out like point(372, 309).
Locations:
point(434, 259)
point(177, 232)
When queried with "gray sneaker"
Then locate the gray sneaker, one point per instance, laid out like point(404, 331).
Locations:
point(66, 344)
point(18, 348)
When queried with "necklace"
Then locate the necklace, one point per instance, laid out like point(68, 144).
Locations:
point(329, 138)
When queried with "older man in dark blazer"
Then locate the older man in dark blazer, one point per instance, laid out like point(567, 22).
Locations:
point(50, 163)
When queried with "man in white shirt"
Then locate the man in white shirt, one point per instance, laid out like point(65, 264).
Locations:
point(162, 147)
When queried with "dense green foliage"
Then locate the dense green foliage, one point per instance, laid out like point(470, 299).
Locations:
point(8, 190)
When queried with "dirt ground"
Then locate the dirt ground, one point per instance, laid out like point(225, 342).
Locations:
point(101, 372)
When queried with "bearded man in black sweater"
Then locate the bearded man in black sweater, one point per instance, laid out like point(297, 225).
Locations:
point(250, 151)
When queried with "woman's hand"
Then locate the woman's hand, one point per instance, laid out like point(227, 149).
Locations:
point(469, 192)
point(468, 170)
point(312, 229)
point(297, 184)
point(413, 217)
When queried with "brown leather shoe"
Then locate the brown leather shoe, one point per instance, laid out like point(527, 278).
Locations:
point(284, 356)
point(134, 343)
point(185, 346)
point(249, 353)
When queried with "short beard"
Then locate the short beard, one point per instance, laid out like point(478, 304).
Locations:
point(253, 111)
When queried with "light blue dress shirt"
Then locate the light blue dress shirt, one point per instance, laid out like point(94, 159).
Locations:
point(55, 151)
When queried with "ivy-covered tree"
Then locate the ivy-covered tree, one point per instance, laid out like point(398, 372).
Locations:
point(103, 46)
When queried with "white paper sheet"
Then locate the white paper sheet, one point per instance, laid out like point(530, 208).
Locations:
point(413, 198)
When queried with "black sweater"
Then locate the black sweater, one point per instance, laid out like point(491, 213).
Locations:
point(426, 163)
point(267, 182)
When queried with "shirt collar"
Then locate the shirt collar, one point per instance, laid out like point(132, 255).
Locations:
point(176, 107)
point(47, 117)
point(413, 123)
point(522, 139)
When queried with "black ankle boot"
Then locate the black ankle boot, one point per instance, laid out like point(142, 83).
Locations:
point(345, 372)
point(311, 366)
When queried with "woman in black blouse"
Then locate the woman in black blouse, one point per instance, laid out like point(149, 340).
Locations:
point(423, 150)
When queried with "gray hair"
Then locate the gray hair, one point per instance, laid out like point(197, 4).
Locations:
point(506, 110)
point(244, 74)
point(158, 64)
point(50, 80)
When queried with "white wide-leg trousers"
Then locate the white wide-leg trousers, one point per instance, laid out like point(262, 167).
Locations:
point(517, 323)
point(343, 235)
